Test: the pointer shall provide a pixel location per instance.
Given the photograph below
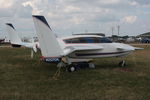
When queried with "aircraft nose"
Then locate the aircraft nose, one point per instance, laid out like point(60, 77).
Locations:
point(121, 46)
point(131, 48)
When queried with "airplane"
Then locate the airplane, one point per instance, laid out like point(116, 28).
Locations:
point(2, 40)
point(73, 51)
point(15, 40)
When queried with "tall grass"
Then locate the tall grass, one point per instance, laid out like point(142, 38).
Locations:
point(23, 78)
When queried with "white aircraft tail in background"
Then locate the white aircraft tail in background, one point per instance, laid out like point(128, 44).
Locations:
point(71, 51)
point(13, 36)
point(15, 40)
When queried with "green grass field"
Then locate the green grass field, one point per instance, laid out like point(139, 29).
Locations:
point(23, 78)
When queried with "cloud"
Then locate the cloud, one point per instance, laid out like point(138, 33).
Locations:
point(134, 3)
point(34, 5)
point(143, 2)
point(70, 9)
point(6, 4)
point(77, 20)
point(109, 1)
point(129, 19)
point(66, 16)
point(14, 8)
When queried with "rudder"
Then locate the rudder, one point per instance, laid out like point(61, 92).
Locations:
point(48, 42)
point(13, 36)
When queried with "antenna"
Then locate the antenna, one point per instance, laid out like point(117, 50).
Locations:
point(118, 30)
point(112, 30)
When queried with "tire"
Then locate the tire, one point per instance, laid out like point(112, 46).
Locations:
point(71, 68)
point(122, 63)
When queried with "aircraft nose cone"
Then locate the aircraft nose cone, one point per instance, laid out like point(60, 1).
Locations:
point(121, 46)
point(131, 48)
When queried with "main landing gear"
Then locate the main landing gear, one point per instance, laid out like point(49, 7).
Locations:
point(122, 63)
point(75, 66)
point(72, 68)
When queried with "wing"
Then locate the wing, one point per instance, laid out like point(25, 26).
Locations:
point(137, 48)
point(124, 47)
point(129, 48)
point(70, 49)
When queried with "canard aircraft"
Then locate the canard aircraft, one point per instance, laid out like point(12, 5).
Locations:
point(71, 51)
point(16, 41)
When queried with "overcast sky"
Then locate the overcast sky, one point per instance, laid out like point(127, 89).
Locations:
point(78, 16)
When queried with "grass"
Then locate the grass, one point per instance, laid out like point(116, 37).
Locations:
point(23, 78)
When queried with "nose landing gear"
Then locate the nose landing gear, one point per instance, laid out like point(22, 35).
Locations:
point(122, 63)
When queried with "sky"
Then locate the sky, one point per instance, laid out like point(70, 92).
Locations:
point(68, 17)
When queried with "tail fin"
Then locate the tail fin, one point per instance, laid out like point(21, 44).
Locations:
point(13, 36)
point(48, 42)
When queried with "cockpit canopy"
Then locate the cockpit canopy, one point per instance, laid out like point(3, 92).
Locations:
point(88, 40)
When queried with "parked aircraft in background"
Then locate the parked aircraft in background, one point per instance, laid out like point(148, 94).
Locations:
point(2, 40)
point(16, 40)
point(71, 51)
point(145, 40)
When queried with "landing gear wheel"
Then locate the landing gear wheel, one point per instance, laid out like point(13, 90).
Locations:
point(71, 68)
point(122, 63)
point(91, 65)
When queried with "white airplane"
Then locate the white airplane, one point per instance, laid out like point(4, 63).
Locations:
point(71, 51)
point(16, 40)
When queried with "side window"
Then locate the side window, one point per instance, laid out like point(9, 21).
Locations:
point(67, 41)
point(96, 40)
point(89, 40)
point(82, 40)
point(102, 40)
point(75, 40)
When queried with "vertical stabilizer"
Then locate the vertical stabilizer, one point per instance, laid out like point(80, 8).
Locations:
point(48, 42)
point(13, 36)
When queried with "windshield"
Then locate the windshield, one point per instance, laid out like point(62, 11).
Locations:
point(88, 40)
